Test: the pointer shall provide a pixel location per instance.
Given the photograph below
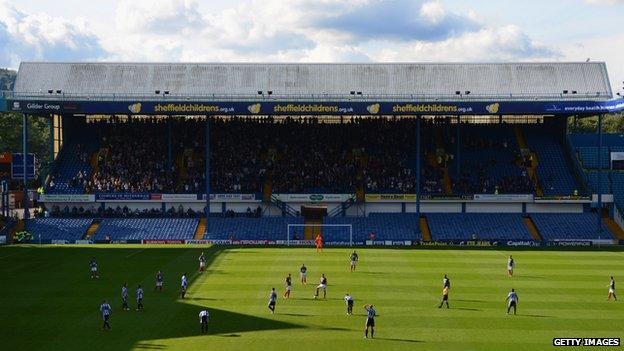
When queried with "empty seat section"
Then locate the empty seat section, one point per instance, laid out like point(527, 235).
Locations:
point(384, 226)
point(487, 226)
point(147, 229)
point(58, 228)
point(245, 228)
point(580, 226)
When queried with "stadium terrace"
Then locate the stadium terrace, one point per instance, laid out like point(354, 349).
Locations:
point(377, 154)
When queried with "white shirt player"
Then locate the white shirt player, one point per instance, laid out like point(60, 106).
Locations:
point(510, 264)
point(183, 282)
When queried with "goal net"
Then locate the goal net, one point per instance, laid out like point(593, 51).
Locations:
point(330, 232)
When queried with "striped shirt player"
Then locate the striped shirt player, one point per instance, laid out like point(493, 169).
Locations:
point(139, 298)
point(272, 300)
point(512, 301)
point(349, 301)
point(510, 266)
point(304, 273)
point(160, 279)
point(106, 310)
point(94, 268)
point(183, 285)
point(124, 297)
point(611, 290)
point(203, 320)
point(370, 320)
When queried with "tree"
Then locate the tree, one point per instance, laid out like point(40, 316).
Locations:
point(38, 136)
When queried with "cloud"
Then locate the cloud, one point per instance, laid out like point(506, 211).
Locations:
point(268, 31)
point(38, 36)
point(399, 20)
point(506, 43)
point(166, 17)
point(605, 2)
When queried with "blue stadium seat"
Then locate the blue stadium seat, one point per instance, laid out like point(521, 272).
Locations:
point(385, 226)
point(553, 170)
point(147, 229)
point(246, 228)
point(486, 226)
point(58, 228)
point(580, 226)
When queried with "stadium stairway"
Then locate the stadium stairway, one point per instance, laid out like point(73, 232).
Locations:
point(532, 170)
point(201, 229)
point(424, 229)
point(441, 150)
point(613, 227)
point(532, 228)
point(95, 225)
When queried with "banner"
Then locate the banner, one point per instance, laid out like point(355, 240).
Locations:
point(313, 197)
point(412, 197)
point(469, 243)
point(227, 197)
point(390, 197)
point(528, 243)
point(178, 197)
point(75, 198)
point(162, 241)
point(263, 107)
point(503, 197)
point(197, 242)
point(122, 197)
point(569, 243)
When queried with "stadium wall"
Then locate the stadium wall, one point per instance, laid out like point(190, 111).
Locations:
point(550, 208)
point(493, 207)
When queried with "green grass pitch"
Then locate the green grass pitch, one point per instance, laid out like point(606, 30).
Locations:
point(48, 301)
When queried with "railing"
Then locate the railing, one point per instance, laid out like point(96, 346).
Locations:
point(286, 208)
point(342, 208)
point(577, 167)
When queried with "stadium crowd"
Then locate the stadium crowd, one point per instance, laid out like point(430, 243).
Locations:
point(292, 155)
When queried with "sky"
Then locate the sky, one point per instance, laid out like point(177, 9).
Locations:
point(314, 31)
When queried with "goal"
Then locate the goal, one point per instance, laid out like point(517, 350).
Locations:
point(336, 232)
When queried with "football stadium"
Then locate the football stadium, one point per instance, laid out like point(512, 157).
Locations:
point(256, 200)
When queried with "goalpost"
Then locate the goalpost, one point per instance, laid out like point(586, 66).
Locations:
point(290, 227)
